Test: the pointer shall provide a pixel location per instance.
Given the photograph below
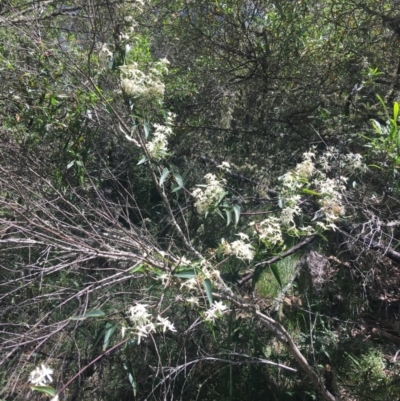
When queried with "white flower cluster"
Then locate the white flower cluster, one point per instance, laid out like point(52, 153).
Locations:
point(241, 248)
point(41, 376)
point(143, 324)
point(211, 195)
point(331, 198)
point(158, 146)
point(269, 230)
point(306, 168)
point(215, 312)
point(312, 174)
point(136, 83)
point(350, 163)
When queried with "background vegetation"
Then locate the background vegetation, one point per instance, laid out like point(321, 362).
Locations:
point(258, 226)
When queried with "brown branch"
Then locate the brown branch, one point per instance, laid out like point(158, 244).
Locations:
point(289, 252)
point(284, 337)
point(371, 244)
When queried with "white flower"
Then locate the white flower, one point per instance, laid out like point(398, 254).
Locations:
point(138, 314)
point(55, 398)
point(225, 166)
point(41, 376)
point(164, 278)
point(290, 181)
point(215, 311)
point(167, 325)
point(193, 300)
point(308, 230)
point(184, 261)
point(143, 331)
point(164, 61)
point(190, 284)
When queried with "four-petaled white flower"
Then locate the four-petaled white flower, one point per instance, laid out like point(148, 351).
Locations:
point(41, 376)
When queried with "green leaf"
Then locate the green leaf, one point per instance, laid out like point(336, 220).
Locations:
point(257, 275)
point(142, 160)
point(208, 288)
point(219, 213)
point(228, 213)
point(140, 268)
point(310, 192)
point(395, 111)
point(222, 196)
point(131, 376)
point(188, 273)
point(275, 272)
point(146, 127)
point(164, 176)
point(45, 389)
point(398, 142)
point(236, 210)
point(93, 313)
point(377, 126)
point(179, 180)
point(383, 105)
point(109, 331)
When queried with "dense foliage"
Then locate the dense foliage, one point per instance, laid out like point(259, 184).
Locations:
point(199, 200)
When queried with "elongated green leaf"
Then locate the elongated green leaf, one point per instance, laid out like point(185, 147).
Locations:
point(131, 376)
point(222, 196)
point(275, 272)
point(382, 102)
point(189, 273)
point(395, 111)
point(256, 276)
point(236, 210)
point(45, 389)
point(398, 142)
point(142, 160)
point(219, 213)
point(164, 176)
point(93, 313)
point(108, 332)
point(228, 213)
point(377, 127)
point(140, 268)
point(208, 288)
point(179, 180)
point(146, 128)
point(310, 192)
